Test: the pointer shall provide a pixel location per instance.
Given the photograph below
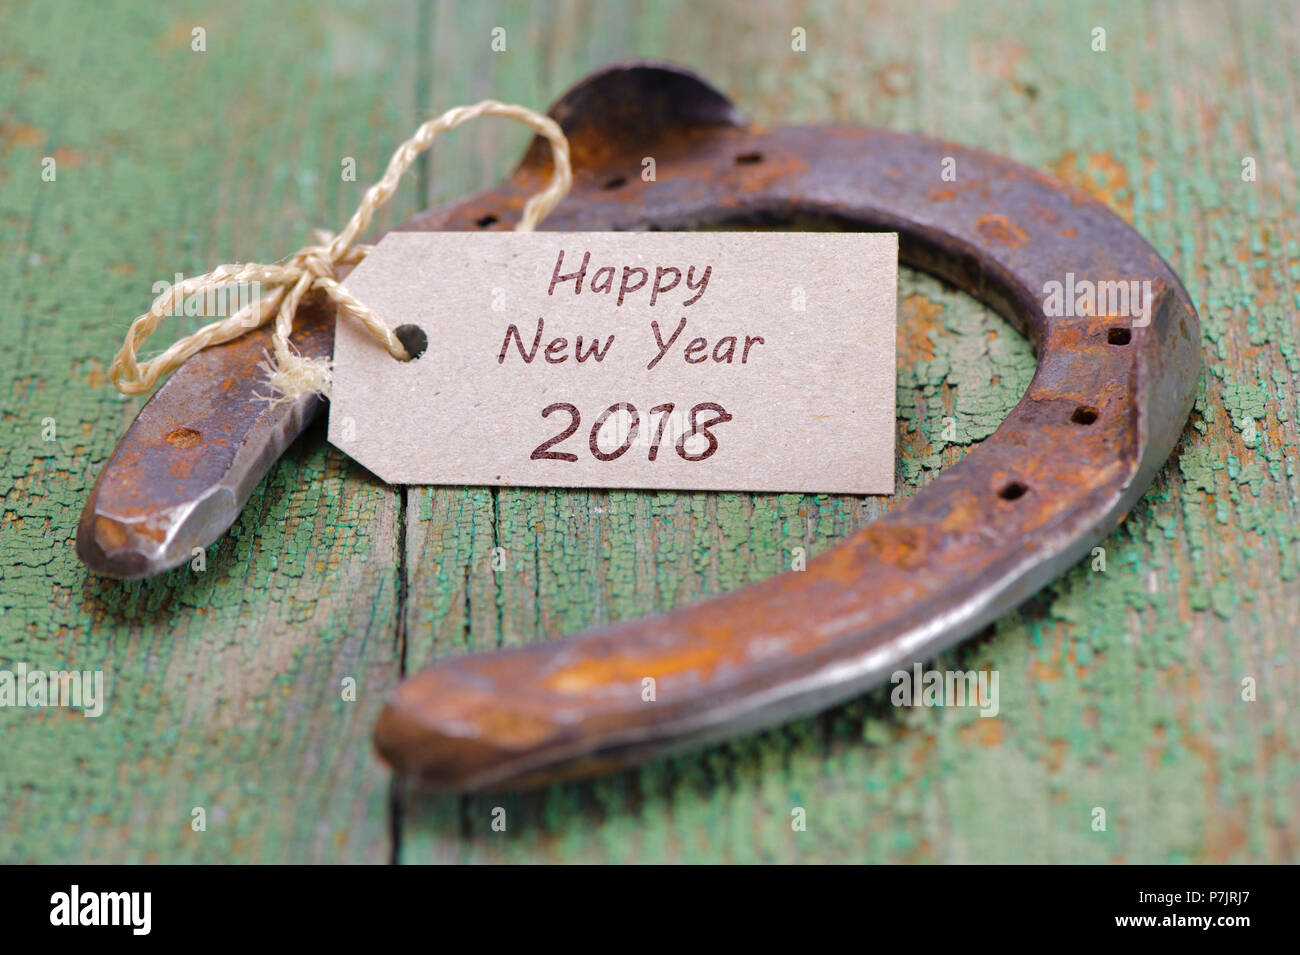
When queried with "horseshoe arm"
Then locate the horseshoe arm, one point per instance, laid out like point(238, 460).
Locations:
point(1102, 413)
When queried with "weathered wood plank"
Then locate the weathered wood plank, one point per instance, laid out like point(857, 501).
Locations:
point(1120, 689)
point(223, 687)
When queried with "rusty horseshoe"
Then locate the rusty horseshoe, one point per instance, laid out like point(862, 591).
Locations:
point(1106, 406)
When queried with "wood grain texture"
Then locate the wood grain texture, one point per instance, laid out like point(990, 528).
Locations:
point(224, 688)
point(1119, 689)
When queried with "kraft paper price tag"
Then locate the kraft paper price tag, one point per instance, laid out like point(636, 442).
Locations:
point(754, 361)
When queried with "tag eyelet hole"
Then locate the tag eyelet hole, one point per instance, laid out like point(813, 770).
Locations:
point(618, 182)
point(1084, 415)
point(1118, 336)
point(484, 221)
point(413, 339)
point(748, 159)
point(1012, 491)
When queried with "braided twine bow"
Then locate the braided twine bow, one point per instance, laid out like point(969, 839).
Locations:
point(314, 269)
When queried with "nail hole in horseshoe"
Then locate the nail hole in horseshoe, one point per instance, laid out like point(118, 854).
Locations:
point(618, 182)
point(484, 221)
point(413, 339)
point(1084, 415)
point(1012, 490)
point(748, 159)
point(1118, 336)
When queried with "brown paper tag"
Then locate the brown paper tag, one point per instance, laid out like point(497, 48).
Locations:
point(723, 361)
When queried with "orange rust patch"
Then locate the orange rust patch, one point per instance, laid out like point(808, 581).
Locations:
point(895, 544)
point(1101, 176)
point(610, 671)
point(184, 438)
point(963, 512)
point(113, 534)
point(1000, 229)
point(986, 731)
point(1047, 672)
point(66, 156)
point(920, 316)
point(21, 134)
point(110, 532)
point(1057, 749)
point(1226, 842)
point(1046, 214)
point(940, 195)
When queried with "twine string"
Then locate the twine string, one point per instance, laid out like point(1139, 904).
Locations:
point(314, 269)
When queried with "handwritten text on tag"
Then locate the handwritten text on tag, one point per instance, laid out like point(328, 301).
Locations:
point(695, 361)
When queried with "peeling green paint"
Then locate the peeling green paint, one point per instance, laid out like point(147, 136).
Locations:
point(1121, 688)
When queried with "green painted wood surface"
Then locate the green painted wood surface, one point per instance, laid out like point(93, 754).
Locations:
point(1119, 689)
